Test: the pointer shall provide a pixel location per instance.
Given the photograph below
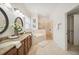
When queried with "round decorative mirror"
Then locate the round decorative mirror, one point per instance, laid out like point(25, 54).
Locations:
point(19, 21)
point(4, 22)
point(18, 24)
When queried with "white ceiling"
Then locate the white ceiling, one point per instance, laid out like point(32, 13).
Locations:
point(46, 8)
point(43, 8)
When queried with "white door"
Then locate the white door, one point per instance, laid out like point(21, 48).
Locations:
point(76, 29)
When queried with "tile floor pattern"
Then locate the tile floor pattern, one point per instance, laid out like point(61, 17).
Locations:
point(48, 47)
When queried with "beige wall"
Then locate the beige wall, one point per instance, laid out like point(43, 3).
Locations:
point(45, 23)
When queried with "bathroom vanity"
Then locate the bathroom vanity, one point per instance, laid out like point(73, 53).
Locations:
point(16, 48)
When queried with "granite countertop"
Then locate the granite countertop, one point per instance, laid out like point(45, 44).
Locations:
point(22, 37)
point(9, 41)
point(4, 50)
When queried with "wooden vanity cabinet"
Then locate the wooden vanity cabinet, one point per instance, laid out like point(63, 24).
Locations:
point(20, 51)
point(29, 41)
point(12, 51)
point(23, 49)
point(26, 46)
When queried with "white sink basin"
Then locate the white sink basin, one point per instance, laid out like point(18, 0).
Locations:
point(13, 37)
point(15, 43)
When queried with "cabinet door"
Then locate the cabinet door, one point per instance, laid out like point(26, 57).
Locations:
point(28, 42)
point(12, 51)
point(26, 46)
point(21, 49)
point(30, 39)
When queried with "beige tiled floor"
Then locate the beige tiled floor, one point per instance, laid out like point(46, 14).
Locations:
point(49, 47)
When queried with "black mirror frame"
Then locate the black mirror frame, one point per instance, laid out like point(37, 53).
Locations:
point(20, 19)
point(6, 19)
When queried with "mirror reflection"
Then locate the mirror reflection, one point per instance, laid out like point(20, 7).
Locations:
point(3, 21)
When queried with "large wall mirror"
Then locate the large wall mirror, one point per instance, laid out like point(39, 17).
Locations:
point(4, 22)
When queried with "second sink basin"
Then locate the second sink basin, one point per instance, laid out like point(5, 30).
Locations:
point(15, 43)
point(13, 37)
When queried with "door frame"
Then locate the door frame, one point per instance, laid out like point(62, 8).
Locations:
point(71, 12)
point(70, 30)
